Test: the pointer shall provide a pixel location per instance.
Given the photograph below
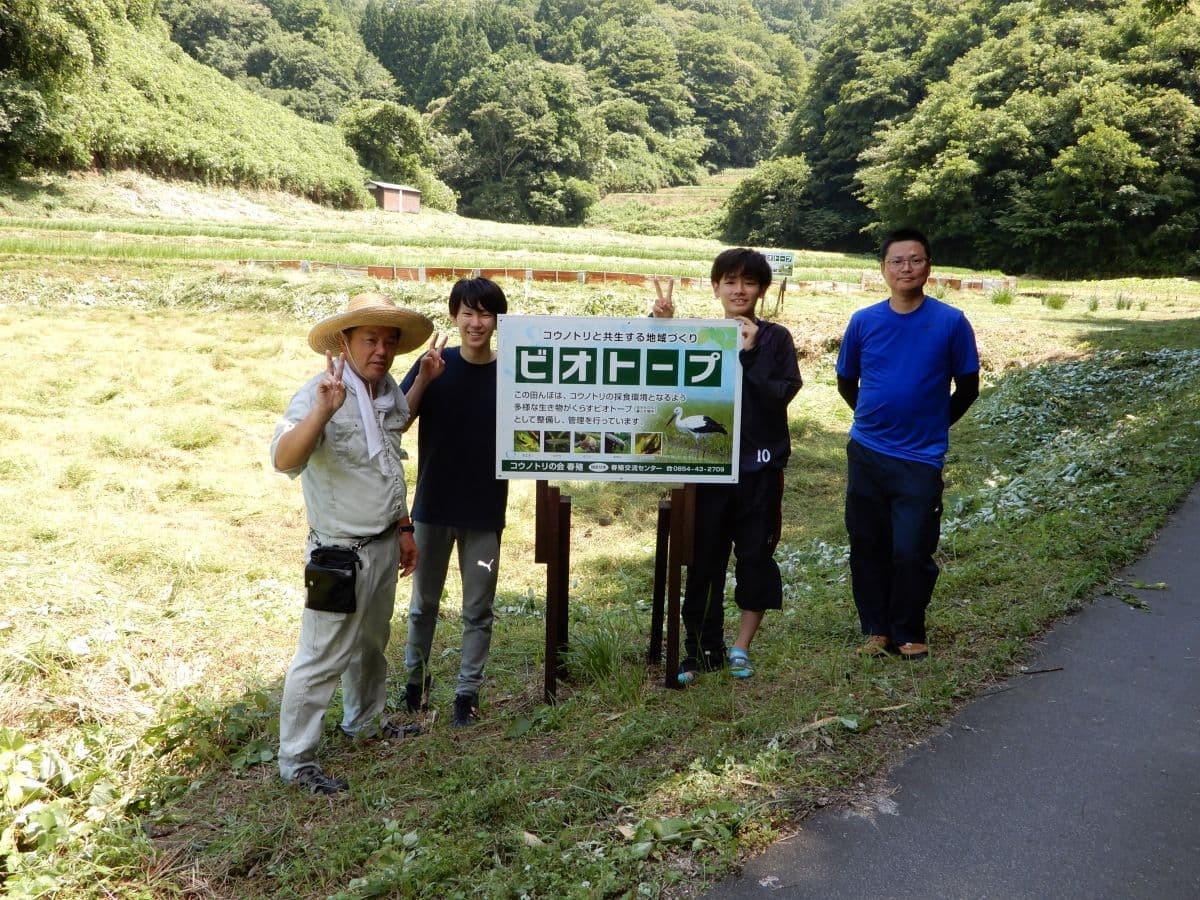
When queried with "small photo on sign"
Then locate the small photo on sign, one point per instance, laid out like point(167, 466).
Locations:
point(527, 441)
point(617, 442)
point(647, 443)
point(557, 442)
point(586, 442)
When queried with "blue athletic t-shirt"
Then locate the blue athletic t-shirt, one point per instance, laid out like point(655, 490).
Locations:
point(904, 364)
point(456, 447)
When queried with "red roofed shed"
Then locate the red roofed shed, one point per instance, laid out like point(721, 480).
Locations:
point(395, 197)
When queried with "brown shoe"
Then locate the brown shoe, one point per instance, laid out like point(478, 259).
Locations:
point(913, 651)
point(876, 645)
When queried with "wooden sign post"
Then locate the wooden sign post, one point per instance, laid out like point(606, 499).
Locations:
point(552, 548)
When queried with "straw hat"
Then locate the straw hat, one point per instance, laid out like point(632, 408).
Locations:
point(371, 309)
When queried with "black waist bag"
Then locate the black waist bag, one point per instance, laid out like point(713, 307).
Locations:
point(329, 577)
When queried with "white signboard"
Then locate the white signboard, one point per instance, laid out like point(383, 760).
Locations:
point(781, 261)
point(592, 398)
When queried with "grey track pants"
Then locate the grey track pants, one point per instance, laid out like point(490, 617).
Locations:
point(478, 563)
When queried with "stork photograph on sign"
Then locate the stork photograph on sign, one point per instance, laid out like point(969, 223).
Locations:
point(699, 427)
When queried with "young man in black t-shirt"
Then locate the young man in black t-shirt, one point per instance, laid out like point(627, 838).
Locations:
point(744, 517)
point(458, 498)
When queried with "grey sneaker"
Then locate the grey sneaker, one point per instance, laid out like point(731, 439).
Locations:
point(393, 732)
point(388, 731)
point(313, 780)
point(466, 710)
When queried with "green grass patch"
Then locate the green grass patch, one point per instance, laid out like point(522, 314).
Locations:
point(147, 628)
point(192, 435)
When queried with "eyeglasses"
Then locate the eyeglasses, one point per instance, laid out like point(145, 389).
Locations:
point(899, 262)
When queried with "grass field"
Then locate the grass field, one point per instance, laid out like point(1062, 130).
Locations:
point(688, 211)
point(153, 571)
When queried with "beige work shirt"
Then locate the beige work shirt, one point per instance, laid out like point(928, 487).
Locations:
point(346, 494)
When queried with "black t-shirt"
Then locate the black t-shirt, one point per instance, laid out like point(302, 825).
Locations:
point(770, 379)
point(456, 447)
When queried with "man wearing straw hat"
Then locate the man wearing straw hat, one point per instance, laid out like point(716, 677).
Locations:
point(347, 455)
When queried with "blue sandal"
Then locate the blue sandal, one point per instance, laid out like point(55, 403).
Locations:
point(689, 672)
point(739, 663)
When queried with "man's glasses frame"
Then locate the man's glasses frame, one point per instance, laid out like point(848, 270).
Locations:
point(899, 262)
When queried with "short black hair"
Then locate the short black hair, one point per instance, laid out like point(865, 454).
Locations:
point(477, 293)
point(904, 234)
point(742, 261)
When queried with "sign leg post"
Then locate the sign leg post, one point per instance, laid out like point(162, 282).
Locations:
point(564, 582)
point(661, 544)
point(674, 579)
point(540, 521)
point(548, 511)
point(552, 527)
point(681, 552)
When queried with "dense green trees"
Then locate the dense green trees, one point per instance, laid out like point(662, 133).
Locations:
point(525, 142)
point(533, 106)
point(765, 208)
point(657, 92)
point(393, 144)
point(304, 54)
point(97, 82)
point(47, 49)
point(1060, 137)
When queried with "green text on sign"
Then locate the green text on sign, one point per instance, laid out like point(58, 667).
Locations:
point(621, 366)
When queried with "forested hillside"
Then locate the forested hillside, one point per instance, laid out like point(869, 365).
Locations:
point(304, 54)
point(538, 107)
point(98, 83)
point(528, 110)
point(1052, 136)
point(1060, 136)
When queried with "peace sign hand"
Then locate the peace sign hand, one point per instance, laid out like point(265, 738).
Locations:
point(331, 392)
point(432, 364)
point(664, 306)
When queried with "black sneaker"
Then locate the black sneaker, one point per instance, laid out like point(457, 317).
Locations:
point(313, 780)
point(415, 695)
point(466, 710)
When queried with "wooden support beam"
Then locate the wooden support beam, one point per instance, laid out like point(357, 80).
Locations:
point(564, 583)
point(674, 586)
point(554, 583)
point(659, 596)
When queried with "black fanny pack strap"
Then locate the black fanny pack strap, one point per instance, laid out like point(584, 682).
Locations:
point(362, 542)
point(359, 543)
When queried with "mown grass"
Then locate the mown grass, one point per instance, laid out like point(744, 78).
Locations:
point(689, 211)
point(406, 251)
point(152, 575)
point(63, 218)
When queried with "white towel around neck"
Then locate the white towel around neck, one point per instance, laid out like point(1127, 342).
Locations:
point(367, 411)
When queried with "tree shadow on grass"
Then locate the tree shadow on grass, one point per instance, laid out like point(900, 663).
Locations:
point(1170, 334)
point(569, 757)
point(28, 189)
point(238, 822)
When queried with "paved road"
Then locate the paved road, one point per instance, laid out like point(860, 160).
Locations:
point(1079, 783)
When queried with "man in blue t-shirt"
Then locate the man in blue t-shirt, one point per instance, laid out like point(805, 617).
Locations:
point(895, 368)
point(458, 499)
